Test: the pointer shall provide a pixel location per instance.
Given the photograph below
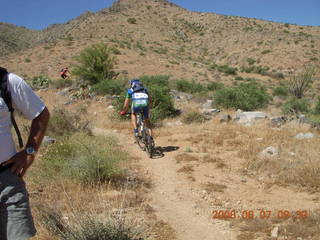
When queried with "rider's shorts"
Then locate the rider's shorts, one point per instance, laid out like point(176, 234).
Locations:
point(16, 222)
point(144, 110)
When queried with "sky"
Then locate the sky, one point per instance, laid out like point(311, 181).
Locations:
point(39, 14)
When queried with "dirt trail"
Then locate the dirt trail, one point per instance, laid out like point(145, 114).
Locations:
point(172, 196)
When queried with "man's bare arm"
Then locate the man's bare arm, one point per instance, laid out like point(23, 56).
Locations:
point(22, 161)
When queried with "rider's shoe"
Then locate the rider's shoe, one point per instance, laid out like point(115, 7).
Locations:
point(136, 132)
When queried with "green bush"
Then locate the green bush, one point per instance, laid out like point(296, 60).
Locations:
point(108, 87)
point(295, 106)
point(280, 91)
point(193, 117)
point(251, 61)
point(266, 51)
point(39, 82)
point(84, 158)
point(317, 107)
point(226, 69)
point(132, 20)
point(190, 86)
point(95, 64)
point(214, 86)
point(246, 96)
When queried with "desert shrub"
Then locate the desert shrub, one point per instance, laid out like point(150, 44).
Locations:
point(89, 226)
point(250, 61)
point(39, 82)
point(295, 106)
point(115, 86)
point(280, 91)
point(189, 86)
point(300, 84)
point(84, 158)
point(95, 64)
point(238, 78)
point(132, 20)
point(193, 117)
point(61, 83)
point(246, 96)
point(63, 123)
point(316, 109)
point(225, 69)
point(214, 86)
point(266, 51)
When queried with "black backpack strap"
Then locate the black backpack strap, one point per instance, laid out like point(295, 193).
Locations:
point(5, 94)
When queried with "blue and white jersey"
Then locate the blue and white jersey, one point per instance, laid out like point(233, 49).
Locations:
point(139, 99)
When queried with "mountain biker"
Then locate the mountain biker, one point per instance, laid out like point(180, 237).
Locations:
point(140, 101)
point(64, 72)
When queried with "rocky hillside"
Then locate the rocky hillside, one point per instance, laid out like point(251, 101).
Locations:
point(167, 39)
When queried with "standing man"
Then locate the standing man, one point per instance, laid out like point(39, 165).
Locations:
point(16, 222)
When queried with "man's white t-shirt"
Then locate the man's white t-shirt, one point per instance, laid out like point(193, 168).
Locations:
point(25, 101)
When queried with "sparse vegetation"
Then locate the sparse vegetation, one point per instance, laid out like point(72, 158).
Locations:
point(65, 123)
point(132, 20)
point(61, 83)
point(193, 117)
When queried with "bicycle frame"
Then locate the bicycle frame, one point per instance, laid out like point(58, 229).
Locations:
point(144, 141)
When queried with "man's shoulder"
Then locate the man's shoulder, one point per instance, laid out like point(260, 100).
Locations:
point(14, 80)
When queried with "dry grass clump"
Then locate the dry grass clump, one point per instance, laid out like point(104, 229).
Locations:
point(214, 187)
point(185, 157)
point(297, 162)
point(304, 228)
point(79, 212)
point(186, 169)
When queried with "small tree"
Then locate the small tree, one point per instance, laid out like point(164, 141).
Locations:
point(95, 64)
point(299, 84)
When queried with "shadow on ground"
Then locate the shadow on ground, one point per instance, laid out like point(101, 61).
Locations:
point(159, 151)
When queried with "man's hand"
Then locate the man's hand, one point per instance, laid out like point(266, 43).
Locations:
point(123, 113)
point(21, 162)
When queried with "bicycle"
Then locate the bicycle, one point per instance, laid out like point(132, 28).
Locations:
point(144, 140)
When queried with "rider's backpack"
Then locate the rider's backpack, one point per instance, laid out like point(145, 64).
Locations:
point(5, 94)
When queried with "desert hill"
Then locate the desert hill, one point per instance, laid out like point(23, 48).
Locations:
point(165, 39)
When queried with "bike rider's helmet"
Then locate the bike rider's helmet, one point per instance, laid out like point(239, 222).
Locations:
point(136, 85)
point(133, 81)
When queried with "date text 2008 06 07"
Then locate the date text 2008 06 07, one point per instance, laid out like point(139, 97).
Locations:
point(260, 214)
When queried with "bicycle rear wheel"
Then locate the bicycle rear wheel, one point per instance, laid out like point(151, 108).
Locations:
point(149, 144)
point(141, 133)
